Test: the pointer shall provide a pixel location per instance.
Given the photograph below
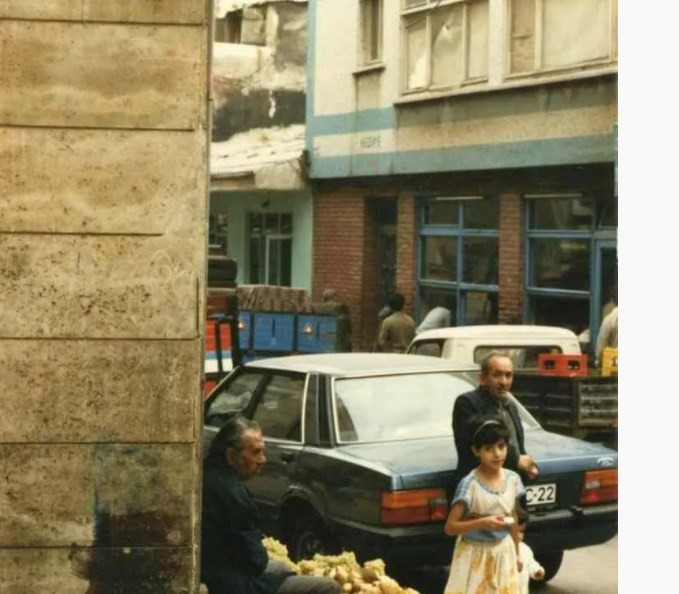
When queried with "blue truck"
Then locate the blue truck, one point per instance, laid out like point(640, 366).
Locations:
point(250, 322)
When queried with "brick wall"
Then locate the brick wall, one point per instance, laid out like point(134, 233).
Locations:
point(370, 298)
point(345, 256)
point(338, 251)
point(511, 260)
point(405, 250)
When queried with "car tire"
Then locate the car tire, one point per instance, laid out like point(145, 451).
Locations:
point(551, 562)
point(311, 536)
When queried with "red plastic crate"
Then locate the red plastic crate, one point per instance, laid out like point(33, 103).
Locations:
point(211, 336)
point(563, 365)
point(208, 386)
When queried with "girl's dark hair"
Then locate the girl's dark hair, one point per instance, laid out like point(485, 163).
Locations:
point(489, 430)
point(231, 435)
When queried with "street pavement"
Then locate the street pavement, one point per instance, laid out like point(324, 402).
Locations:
point(590, 570)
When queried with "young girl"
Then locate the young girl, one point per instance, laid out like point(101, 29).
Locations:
point(483, 515)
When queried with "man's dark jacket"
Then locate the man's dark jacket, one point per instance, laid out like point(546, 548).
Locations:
point(233, 558)
point(476, 403)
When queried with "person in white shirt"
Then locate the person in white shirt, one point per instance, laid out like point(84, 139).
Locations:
point(439, 317)
point(608, 334)
point(530, 568)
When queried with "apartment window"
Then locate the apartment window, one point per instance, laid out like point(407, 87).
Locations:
point(371, 31)
point(270, 253)
point(246, 26)
point(458, 258)
point(445, 43)
point(228, 28)
point(542, 34)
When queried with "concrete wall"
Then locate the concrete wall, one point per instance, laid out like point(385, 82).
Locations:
point(360, 122)
point(103, 184)
point(262, 86)
point(237, 206)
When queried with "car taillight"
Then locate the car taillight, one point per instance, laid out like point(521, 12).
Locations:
point(412, 507)
point(600, 486)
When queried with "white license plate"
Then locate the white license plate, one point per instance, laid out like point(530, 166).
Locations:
point(540, 494)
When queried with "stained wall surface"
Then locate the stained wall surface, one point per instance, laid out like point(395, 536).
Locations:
point(103, 186)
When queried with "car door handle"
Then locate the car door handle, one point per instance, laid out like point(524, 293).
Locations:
point(287, 457)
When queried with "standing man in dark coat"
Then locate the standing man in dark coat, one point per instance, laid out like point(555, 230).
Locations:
point(491, 398)
point(233, 558)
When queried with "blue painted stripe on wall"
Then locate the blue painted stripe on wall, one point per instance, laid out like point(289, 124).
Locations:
point(357, 121)
point(510, 102)
point(374, 164)
point(537, 153)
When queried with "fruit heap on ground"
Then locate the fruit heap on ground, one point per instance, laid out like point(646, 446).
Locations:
point(370, 578)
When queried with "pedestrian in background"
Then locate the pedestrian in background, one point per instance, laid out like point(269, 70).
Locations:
point(483, 516)
point(608, 333)
point(531, 569)
point(397, 330)
point(332, 305)
point(438, 317)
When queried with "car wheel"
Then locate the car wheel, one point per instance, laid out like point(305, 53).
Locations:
point(551, 562)
point(311, 536)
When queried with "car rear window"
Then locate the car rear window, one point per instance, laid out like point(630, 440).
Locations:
point(429, 348)
point(523, 357)
point(394, 407)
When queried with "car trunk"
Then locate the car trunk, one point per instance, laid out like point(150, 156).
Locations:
point(423, 463)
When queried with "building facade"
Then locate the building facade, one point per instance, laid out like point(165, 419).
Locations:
point(260, 201)
point(463, 152)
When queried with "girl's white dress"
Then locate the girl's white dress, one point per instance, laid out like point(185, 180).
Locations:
point(485, 562)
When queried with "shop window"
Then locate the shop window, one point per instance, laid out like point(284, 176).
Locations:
point(562, 311)
point(439, 260)
point(562, 263)
point(481, 307)
point(568, 213)
point(481, 260)
point(563, 274)
point(270, 248)
point(446, 43)
point(608, 213)
point(441, 212)
point(371, 31)
point(459, 246)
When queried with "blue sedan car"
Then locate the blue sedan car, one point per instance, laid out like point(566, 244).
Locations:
point(361, 457)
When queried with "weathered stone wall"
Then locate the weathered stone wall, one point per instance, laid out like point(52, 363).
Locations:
point(103, 185)
point(262, 86)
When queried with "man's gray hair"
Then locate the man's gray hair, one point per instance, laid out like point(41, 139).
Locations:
point(485, 362)
point(231, 435)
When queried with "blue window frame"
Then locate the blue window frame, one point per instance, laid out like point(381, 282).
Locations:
point(458, 258)
point(564, 277)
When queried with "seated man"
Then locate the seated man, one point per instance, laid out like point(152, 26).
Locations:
point(233, 559)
